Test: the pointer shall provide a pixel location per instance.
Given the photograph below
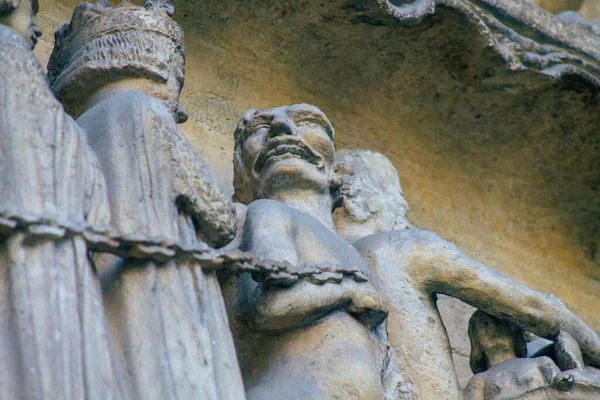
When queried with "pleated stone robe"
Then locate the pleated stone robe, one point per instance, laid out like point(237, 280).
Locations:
point(54, 339)
point(169, 317)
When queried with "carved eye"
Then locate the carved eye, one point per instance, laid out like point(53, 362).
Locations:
point(313, 126)
point(256, 129)
point(260, 127)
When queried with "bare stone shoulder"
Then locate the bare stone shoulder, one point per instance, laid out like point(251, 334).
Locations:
point(264, 212)
point(268, 206)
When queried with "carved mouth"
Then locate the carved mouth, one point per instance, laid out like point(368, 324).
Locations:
point(287, 148)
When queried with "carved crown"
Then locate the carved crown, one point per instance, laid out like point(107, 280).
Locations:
point(103, 44)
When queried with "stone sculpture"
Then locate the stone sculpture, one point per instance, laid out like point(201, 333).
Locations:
point(54, 340)
point(373, 200)
point(413, 266)
point(21, 16)
point(312, 315)
point(577, 379)
point(120, 70)
point(502, 372)
point(498, 352)
point(304, 340)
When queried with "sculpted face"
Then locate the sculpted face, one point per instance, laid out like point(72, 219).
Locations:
point(495, 337)
point(23, 20)
point(288, 148)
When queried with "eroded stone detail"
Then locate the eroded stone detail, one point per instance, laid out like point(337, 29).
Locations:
point(104, 239)
point(498, 353)
point(557, 49)
point(503, 371)
point(373, 199)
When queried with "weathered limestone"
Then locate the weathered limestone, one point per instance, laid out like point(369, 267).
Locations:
point(372, 196)
point(54, 340)
point(502, 372)
point(494, 155)
point(121, 71)
point(443, 76)
point(22, 17)
point(484, 150)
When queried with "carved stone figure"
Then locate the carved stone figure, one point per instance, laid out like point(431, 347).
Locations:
point(373, 200)
point(414, 265)
point(121, 71)
point(304, 340)
point(502, 372)
point(576, 378)
point(54, 340)
point(498, 353)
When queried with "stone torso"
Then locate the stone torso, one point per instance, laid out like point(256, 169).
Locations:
point(333, 354)
point(128, 134)
point(301, 238)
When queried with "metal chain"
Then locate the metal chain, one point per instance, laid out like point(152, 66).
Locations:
point(105, 239)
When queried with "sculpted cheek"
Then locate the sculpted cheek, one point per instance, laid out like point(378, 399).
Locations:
point(251, 150)
point(321, 143)
point(325, 148)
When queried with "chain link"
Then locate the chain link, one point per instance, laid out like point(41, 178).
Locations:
point(105, 239)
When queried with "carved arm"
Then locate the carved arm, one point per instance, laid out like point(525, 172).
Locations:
point(267, 307)
point(279, 308)
point(443, 268)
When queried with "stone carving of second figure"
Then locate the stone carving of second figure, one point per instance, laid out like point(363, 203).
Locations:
point(329, 340)
point(120, 72)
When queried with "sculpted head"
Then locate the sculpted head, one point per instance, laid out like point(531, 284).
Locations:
point(284, 148)
point(491, 336)
point(20, 15)
point(373, 201)
point(103, 46)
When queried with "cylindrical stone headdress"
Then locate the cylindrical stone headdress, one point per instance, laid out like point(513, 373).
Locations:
point(102, 44)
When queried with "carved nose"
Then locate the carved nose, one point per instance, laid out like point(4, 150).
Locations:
point(280, 127)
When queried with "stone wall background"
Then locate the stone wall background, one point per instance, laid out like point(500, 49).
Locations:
point(502, 163)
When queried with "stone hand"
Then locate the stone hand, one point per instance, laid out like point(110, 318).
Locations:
point(278, 308)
